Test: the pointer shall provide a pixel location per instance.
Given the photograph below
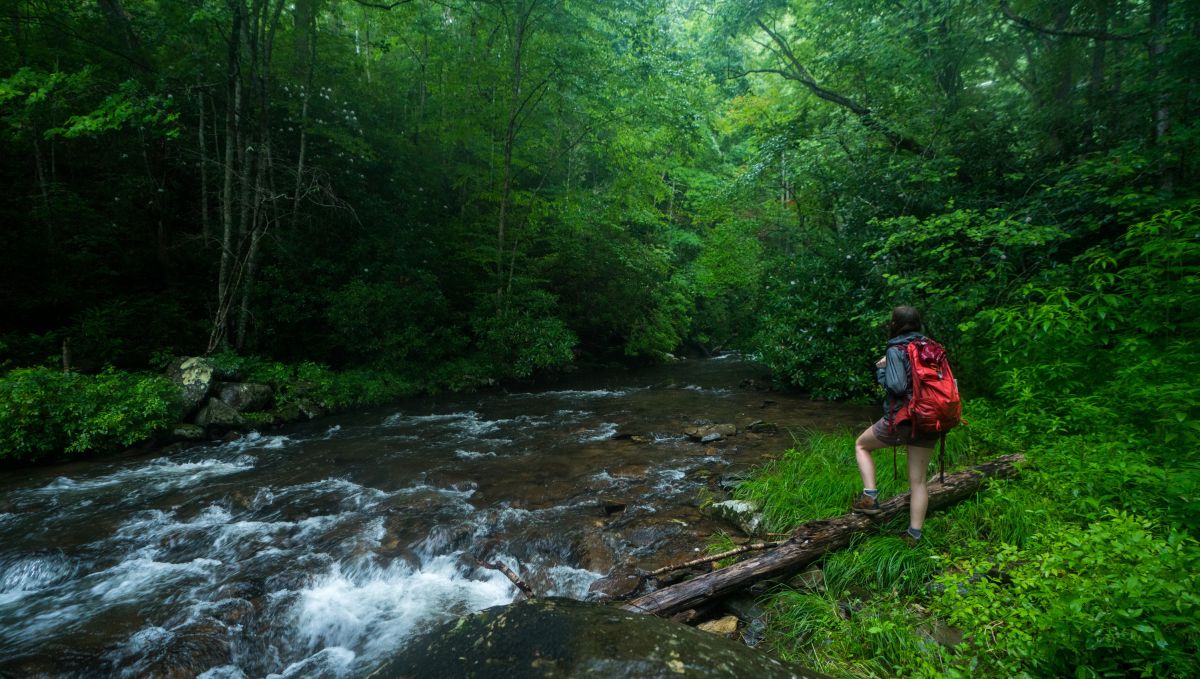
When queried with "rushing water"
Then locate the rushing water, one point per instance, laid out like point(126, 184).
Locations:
point(317, 550)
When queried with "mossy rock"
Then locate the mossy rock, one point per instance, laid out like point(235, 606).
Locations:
point(555, 638)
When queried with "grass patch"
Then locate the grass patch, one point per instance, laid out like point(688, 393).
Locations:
point(818, 479)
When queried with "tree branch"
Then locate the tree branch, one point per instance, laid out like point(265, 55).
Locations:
point(387, 6)
point(798, 73)
point(1030, 25)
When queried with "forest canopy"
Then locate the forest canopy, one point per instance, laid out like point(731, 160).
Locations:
point(493, 189)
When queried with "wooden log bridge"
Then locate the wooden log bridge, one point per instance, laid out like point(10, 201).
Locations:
point(813, 540)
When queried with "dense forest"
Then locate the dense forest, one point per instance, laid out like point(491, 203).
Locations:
point(365, 200)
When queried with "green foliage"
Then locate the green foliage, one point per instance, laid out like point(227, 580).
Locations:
point(820, 331)
point(389, 323)
point(44, 412)
point(1107, 600)
point(525, 337)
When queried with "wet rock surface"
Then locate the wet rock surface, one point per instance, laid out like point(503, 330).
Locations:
point(217, 415)
point(244, 396)
point(555, 638)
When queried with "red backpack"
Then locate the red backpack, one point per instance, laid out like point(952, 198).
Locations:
point(935, 407)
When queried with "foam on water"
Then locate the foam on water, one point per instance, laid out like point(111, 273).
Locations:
point(708, 390)
point(463, 425)
point(159, 474)
point(23, 576)
point(375, 609)
point(472, 455)
point(578, 393)
point(668, 480)
point(254, 440)
point(573, 583)
point(223, 672)
point(603, 432)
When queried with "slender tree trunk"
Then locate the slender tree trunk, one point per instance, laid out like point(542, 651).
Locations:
point(266, 22)
point(39, 166)
point(233, 105)
point(1096, 98)
point(310, 57)
point(520, 26)
point(205, 229)
point(1162, 111)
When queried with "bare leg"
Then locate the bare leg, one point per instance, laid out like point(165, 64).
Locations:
point(918, 471)
point(862, 454)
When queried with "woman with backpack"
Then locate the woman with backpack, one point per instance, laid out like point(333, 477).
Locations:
point(896, 428)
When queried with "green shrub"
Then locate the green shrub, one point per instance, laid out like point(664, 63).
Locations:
point(1112, 599)
point(822, 328)
point(46, 412)
point(332, 389)
point(527, 336)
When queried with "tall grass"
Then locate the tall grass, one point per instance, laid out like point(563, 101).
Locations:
point(818, 478)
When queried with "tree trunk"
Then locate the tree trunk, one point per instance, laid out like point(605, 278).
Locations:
point(205, 229)
point(1162, 111)
point(310, 58)
point(233, 104)
point(510, 133)
point(812, 541)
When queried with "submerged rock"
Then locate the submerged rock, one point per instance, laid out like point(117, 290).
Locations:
point(546, 638)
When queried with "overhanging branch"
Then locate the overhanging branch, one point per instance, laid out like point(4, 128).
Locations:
point(1030, 25)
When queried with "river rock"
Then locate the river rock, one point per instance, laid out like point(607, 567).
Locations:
point(544, 638)
point(218, 415)
point(194, 376)
point(725, 627)
point(743, 514)
point(244, 396)
point(188, 432)
point(710, 432)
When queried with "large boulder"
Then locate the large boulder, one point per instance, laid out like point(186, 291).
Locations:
point(545, 638)
point(244, 396)
point(218, 415)
point(194, 377)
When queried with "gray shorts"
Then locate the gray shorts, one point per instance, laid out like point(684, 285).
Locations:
point(902, 435)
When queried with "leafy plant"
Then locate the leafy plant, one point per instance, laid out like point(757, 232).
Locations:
point(46, 412)
point(1110, 599)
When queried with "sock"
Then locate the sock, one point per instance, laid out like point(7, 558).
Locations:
point(870, 492)
point(915, 532)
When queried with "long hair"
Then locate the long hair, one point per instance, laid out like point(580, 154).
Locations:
point(905, 319)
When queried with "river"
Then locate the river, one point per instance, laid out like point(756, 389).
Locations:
point(318, 549)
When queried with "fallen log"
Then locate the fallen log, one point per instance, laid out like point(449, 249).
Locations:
point(813, 540)
point(756, 547)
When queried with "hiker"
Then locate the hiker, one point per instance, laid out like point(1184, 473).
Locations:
point(895, 374)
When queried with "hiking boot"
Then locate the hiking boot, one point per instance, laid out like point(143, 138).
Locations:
point(865, 504)
point(909, 540)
